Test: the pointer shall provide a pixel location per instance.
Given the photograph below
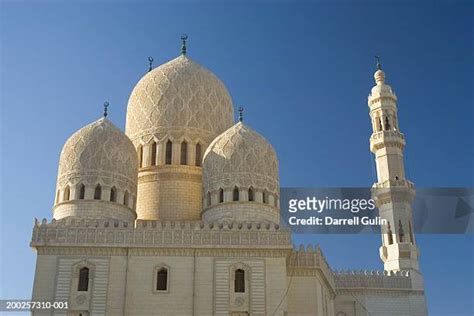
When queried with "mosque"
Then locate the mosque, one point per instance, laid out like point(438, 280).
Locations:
point(180, 215)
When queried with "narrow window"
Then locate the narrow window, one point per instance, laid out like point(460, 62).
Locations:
point(198, 155)
point(82, 191)
point(264, 197)
point(221, 195)
point(83, 284)
point(169, 152)
point(184, 153)
point(401, 234)
point(275, 201)
point(251, 195)
point(125, 198)
point(113, 194)
point(239, 282)
point(153, 154)
point(387, 124)
point(390, 236)
point(97, 192)
point(209, 201)
point(162, 279)
point(140, 156)
point(235, 194)
point(379, 124)
point(411, 233)
point(67, 194)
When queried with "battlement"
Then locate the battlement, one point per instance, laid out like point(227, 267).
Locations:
point(365, 279)
point(150, 233)
point(309, 261)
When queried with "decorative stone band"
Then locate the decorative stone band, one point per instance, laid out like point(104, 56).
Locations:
point(380, 280)
point(158, 234)
point(241, 180)
point(310, 262)
point(173, 133)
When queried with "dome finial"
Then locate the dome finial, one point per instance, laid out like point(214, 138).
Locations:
point(379, 66)
point(241, 111)
point(184, 38)
point(106, 105)
point(150, 61)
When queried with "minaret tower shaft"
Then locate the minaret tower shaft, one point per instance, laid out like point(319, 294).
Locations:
point(392, 192)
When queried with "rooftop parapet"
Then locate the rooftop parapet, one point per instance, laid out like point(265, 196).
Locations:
point(309, 261)
point(167, 234)
point(372, 279)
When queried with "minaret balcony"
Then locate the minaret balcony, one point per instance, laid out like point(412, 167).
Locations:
point(394, 183)
point(393, 190)
point(383, 138)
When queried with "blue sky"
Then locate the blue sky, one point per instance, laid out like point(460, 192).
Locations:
point(302, 70)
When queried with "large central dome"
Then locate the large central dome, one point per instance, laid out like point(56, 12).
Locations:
point(179, 96)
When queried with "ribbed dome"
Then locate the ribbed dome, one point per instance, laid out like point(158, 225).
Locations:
point(241, 157)
point(178, 97)
point(98, 164)
point(99, 150)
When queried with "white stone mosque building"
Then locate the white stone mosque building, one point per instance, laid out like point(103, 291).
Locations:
point(180, 215)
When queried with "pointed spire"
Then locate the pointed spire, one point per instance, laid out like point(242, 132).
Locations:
point(106, 105)
point(379, 75)
point(241, 116)
point(150, 61)
point(379, 66)
point(184, 38)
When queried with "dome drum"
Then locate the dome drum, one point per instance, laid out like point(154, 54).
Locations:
point(242, 212)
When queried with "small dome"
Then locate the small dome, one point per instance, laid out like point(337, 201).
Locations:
point(381, 87)
point(98, 163)
point(244, 165)
point(179, 97)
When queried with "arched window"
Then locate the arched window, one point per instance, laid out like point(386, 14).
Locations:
point(153, 154)
point(82, 191)
point(209, 200)
point(83, 284)
point(239, 282)
point(389, 233)
point(411, 233)
point(97, 192)
point(379, 126)
point(221, 195)
point(251, 195)
point(125, 198)
point(184, 153)
point(168, 152)
point(235, 194)
point(67, 193)
point(113, 194)
point(140, 156)
point(162, 279)
point(198, 155)
point(401, 233)
point(264, 197)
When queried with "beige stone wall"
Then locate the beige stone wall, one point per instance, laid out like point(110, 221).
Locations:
point(170, 193)
point(93, 209)
point(141, 299)
point(242, 211)
point(45, 281)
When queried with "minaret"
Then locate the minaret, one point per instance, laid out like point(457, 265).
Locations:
point(392, 192)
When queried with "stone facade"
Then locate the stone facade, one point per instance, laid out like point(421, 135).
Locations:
point(186, 221)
